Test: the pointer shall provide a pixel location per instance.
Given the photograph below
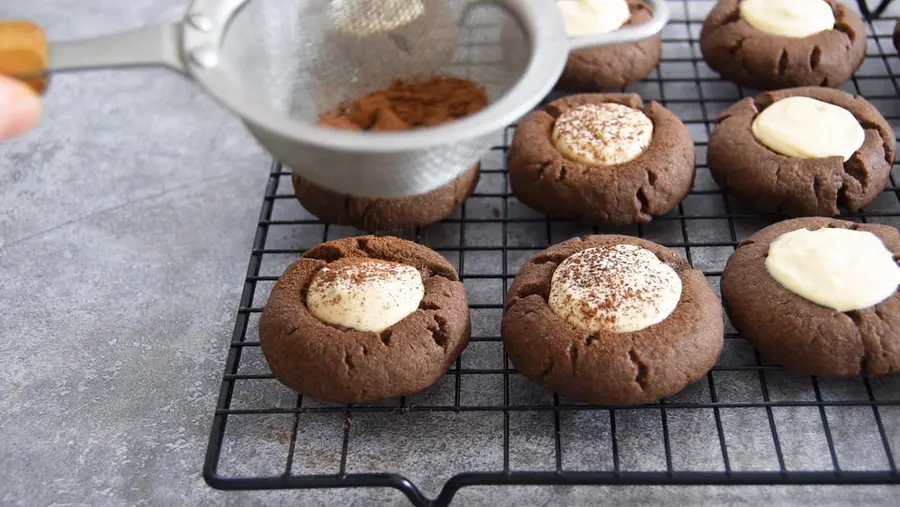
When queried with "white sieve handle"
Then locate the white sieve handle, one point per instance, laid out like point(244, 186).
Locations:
point(152, 45)
point(547, 12)
point(26, 55)
point(627, 34)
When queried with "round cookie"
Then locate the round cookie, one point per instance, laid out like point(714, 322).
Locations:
point(319, 355)
point(775, 183)
point(758, 59)
point(798, 333)
point(611, 67)
point(634, 191)
point(896, 36)
point(610, 367)
point(374, 214)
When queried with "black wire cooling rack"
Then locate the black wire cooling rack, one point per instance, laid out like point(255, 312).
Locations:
point(748, 422)
point(879, 9)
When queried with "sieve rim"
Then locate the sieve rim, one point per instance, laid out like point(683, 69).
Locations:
point(541, 21)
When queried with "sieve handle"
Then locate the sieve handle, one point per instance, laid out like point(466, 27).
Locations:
point(147, 46)
point(25, 53)
point(628, 34)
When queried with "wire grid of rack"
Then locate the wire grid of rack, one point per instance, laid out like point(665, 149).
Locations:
point(748, 422)
point(878, 10)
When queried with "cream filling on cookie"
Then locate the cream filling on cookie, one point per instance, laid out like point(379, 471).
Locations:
point(803, 127)
point(602, 134)
point(367, 17)
point(593, 17)
point(788, 18)
point(840, 269)
point(370, 295)
point(615, 288)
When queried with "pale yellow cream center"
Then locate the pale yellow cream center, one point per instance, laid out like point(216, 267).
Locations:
point(788, 18)
point(602, 134)
point(593, 17)
point(370, 295)
point(615, 288)
point(802, 127)
point(840, 269)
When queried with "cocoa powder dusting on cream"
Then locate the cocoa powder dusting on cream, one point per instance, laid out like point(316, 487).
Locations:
point(365, 294)
point(614, 288)
point(357, 272)
point(602, 134)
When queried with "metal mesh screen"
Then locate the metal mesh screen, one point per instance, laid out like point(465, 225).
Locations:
point(305, 57)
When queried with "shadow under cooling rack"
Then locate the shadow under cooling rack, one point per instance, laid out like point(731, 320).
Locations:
point(747, 422)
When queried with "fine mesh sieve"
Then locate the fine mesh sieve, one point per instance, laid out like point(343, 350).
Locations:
point(280, 64)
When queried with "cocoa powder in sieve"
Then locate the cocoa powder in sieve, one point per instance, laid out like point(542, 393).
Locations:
point(408, 105)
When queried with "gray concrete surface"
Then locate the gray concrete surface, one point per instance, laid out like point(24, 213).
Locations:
point(125, 225)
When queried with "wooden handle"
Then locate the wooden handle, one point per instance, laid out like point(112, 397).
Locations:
point(23, 52)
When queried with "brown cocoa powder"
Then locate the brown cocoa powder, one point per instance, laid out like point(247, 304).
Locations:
point(406, 105)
